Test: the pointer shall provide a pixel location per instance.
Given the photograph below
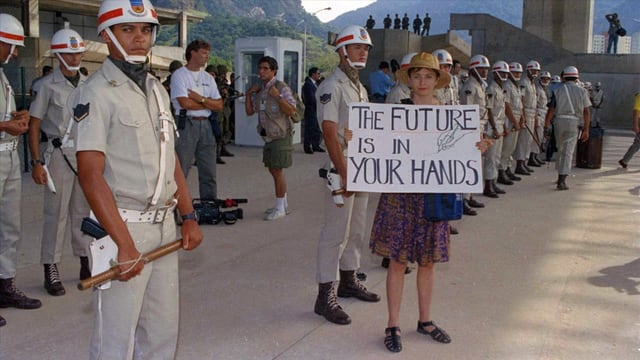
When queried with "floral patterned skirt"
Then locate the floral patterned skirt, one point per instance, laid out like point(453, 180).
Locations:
point(401, 233)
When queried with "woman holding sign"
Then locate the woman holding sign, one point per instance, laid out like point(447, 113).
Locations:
point(400, 230)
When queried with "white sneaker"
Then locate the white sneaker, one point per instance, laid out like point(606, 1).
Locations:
point(270, 210)
point(275, 214)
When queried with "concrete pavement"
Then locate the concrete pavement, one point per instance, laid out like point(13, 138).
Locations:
point(538, 274)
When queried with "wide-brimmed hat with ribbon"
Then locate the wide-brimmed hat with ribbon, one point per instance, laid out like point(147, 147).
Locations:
point(427, 61)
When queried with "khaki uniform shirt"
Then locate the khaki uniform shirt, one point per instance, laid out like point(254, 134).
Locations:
point(6, 94)
point(50, 104)
point(449, 95)
point(398, 92)
point(115, 117)
point(528, 89)
point(541, 104)
point(474, 93)
point(496, 97)
point(514, 98)
point(579, 100)
point(333, 96)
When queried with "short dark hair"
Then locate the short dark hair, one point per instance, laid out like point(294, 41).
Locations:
point(383, 65)
point(456, 62)
point(273, 64)
point(312, 71)
point(211, 69)
point(196, 45)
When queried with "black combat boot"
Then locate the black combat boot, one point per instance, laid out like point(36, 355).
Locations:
point(503, 178)
point(10, 296)
point(488, 190)
point(561, 185)
point(467, 210)
point(511, 175)
point(327, 305)
point(350, 286)
point(3, 322)
point(532, 160)
point(530, 170)
point(520, 168)
point(52, 282)
point(85, 270)
point(474, 203)
point(538, 159)
point(225, 152)
point(496, 189)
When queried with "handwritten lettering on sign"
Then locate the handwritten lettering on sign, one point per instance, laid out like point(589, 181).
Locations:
point(414, 148)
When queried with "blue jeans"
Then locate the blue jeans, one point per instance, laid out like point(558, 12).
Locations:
point(613, 40)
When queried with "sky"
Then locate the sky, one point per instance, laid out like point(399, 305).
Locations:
point(338, 7)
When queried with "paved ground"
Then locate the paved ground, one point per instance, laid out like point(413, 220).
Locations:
point(538, 274)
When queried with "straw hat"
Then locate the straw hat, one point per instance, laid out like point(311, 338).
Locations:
point(427, 61)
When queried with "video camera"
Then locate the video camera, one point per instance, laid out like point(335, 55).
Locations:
point(208, 210)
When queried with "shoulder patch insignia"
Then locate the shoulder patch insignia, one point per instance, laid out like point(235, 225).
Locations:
point(325, 98)
point(468, 92)
point(80, 112)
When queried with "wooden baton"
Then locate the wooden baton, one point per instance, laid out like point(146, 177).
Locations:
point(114, 271)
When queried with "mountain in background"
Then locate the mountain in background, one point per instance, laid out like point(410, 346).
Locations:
point(508, 11)
point(229, 20)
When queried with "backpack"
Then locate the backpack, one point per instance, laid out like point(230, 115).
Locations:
point(299, 115)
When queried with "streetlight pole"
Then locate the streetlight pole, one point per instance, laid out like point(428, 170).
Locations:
point(304, 44)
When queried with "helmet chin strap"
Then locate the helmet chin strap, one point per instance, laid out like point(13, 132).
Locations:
point(355, 65)
point(13, 48)
point(69, 68)
point(131, 59)
point(482, 79)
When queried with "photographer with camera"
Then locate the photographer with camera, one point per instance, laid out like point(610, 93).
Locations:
point(195, 95)
point(58, 164)
point(274, 103)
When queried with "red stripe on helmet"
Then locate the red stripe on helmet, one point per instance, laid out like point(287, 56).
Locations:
point(474, 63)
point(154, 14)
point(58, 46)
point(344, 38)
point(11, 36)
point(110, 15)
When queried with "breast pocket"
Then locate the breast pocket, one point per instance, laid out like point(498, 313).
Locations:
point(130, 117)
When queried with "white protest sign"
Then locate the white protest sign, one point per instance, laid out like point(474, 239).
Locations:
point(414, 148)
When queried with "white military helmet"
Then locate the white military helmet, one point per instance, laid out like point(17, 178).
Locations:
point(533, 65)
point(353, 34)
point(570, 72)
point(515, 69)
point(406, 60)
point(479, 61)
point(114, 12)
point(443, 56)
point(500, 68)
point(545, 74)
point(67, 41)
point(11, 32)
point(556, 79)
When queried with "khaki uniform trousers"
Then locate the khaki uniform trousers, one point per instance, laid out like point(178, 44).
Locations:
point(509, 143)
point(491, 157)
point(525, 141)
point(138, 319)
point(566, 131)
point(10, 197)
point(68, 203)
point(342, 236)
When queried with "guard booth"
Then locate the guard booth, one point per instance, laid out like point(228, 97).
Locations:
point(288, 54)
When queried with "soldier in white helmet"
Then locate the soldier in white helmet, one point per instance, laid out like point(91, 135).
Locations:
point(568, 106)
point(400, 90)
point(526, 146)
point(597, 99)
point(12, 124)
point(541, 104)
point(68, 204)
point(343, 232)
point(132, 179)
point(473, 92)
point(448, 95)
point(496, 112)
point(510, 143)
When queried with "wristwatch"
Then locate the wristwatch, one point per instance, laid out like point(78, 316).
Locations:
point(33, 162)
point(203, 100)
point(189, 216)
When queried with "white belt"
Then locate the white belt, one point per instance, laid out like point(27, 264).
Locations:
point(154, 216)
point(573, 117)
point(9, 145)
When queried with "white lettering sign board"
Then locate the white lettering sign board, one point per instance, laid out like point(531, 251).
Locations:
point(414, 148)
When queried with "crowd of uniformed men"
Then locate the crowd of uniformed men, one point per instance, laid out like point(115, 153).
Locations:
point(516, 105)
